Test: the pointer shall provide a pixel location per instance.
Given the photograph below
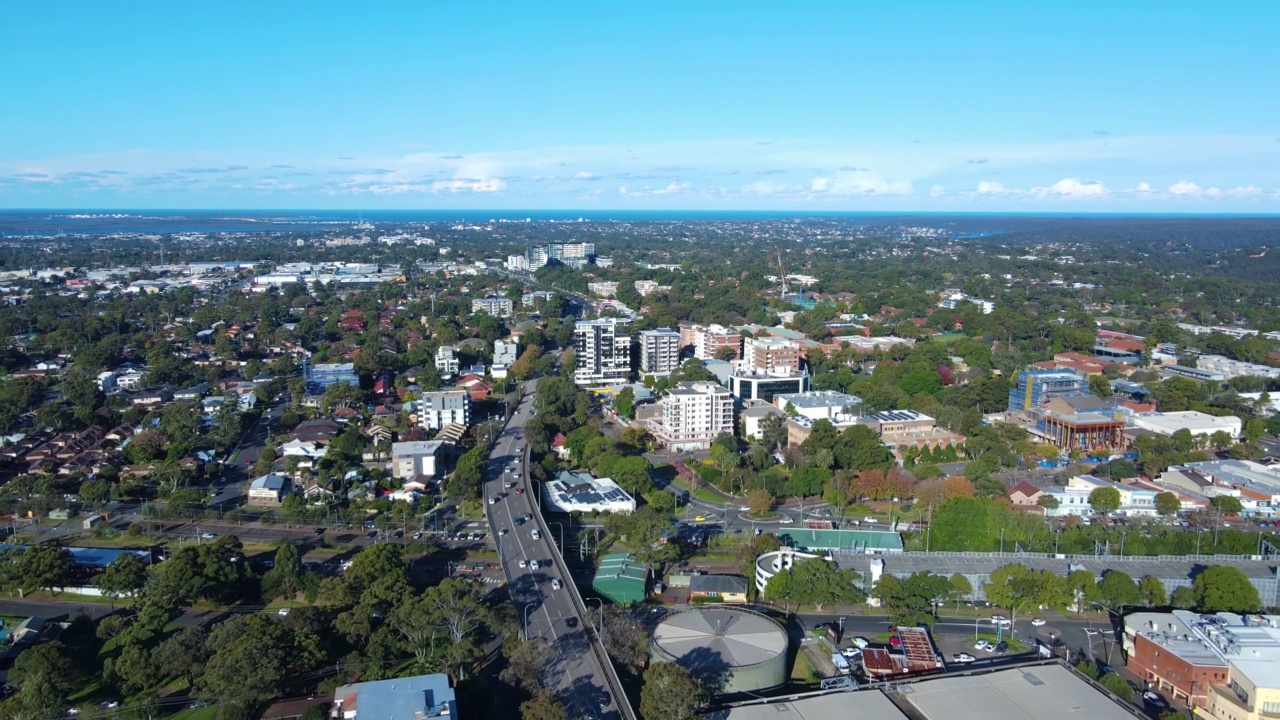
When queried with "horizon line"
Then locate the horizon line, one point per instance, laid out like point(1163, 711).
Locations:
point(907, 213)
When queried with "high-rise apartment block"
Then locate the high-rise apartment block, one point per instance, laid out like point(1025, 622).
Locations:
point(711, 342)
point(603, 352)
point(771, 354)
point(567, 253)
point(445, 407)
point(692, 415)
point(659, 351)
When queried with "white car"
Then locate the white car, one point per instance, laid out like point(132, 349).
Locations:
point(1037, 622)
point(524, 563)
point(963, 658)
point(207, 536)
point(533, 564)
point(984, 646)
point(282, 612)
point(851, 652)
point(1003, 622)
point(787, 520)
point(503, 531)
point(860, 642)
point(555, 584)
point(997, 618)
point(493, 501)
point(537, 535)
point(869, 520)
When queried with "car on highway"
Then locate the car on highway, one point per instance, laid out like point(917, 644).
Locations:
point(997, 618)
point(319, 531)
point(869, 520)
point(519, 491)
point(537, 535)
point(524, 563)
point(207, 536)
point(1037, 622)
point(533, 564)
point(503, 531)
point(963, 658)
point(493, 500)
point(555, 584)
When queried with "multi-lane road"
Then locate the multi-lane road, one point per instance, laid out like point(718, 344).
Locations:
point(545, 598)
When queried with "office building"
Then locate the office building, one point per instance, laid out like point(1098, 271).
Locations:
point(444, 407)
point(659, 351)
point(1197, 423)
point(603, 352)
point(756, 385)
point(819, 404)
point(580, 492)
point(692, 415)
point(492, 305)
point(1037, 387)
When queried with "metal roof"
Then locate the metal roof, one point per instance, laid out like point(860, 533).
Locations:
point(720, 637)
point(1041, 692)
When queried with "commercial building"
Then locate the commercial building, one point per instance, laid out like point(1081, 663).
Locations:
point(692, 415)
point(1037, 387)
point(755, 385)
point(1049, 691)
point(409, 698)
point(321, 376)
point(719, 588)
point(659, 351)
point(580, 492)
point(715, 342)
point(902, 429)
point(603, 288)
point(1197, 423)
point(447, 362)
point(415, 459)
point(621, 579)
point(1230, 369)
point(498, 307)
point(772, 354)
point(1164, 650)
point(741, 650)
point(819, 404)
point(444, 407)
point(603, 352)
point(1087, 431)
point(268, 490)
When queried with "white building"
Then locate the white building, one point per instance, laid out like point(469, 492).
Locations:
point(505, 352)
point(131, 380)
point(444, 407)
point(447, 362)
point(498, 307)
point(1228, 368)
point(1167, 423)
point(519, 263)
point(951, 300)
point(659, 351)
point(603, 288)
point(579, 492)
point(692, 415)
point(413, 459)
point(820, 404)
point(603, 352)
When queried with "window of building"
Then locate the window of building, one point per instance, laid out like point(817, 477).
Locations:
point(1240, 692)
point(1271, 708)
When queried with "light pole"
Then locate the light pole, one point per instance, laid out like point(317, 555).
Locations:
point(527, 608)
point(601, 604)
point(561, 526)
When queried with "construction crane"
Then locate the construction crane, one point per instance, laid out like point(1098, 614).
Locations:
point(782, 273)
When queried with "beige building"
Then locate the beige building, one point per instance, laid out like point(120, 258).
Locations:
point(709, 340)
point(771, 353)
point(692, 415)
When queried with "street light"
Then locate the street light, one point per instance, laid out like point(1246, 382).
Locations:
point(527, 608)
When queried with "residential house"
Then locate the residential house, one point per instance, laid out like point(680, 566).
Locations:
point(268, 490)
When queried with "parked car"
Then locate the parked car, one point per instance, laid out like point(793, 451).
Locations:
point(869, 519)
point(895, 641)
point(963, 658)
point(984, 646)
point(860, 642)
point(1002, 647)
point(1154, 700)
point(1037, 622)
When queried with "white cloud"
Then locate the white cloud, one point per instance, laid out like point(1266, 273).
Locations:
point(484, 185)
point(937, 191)
point(1071, 188)
point(1185, 187)
point(859, 183)
point(586, 176)
point(1143, 188)
point(987, 187)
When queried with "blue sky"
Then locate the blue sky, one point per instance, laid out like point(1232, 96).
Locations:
point(966, 106)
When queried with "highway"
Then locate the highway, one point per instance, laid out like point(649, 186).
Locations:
point(580, 671)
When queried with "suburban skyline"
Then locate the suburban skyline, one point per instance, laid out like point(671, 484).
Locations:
point(924, 107)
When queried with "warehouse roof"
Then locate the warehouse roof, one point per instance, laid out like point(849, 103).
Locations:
point(1041, 692)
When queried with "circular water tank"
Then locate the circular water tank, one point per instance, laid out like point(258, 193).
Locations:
point(731, 649)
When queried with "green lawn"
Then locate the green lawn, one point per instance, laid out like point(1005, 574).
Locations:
point(802, 672)
point(206, 713)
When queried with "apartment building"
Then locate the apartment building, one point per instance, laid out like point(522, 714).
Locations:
point(709, 340)
point(505, 352)
point(692, 415)
point(659, 351)
point(567, 253)
point(493, 305)
point(603, 288)
point(447, 362)
point(603, 352)
point(444, 407)
point(771, 354)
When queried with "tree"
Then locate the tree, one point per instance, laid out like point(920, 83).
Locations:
point(1220, 440)
point(544, 705)
point(960, 588)
point(670, 692)
point(1227, 504)
point(1117, 590)
point(625, 403)
point(1104, 500)
point(45, 674)
point(455, 608)
point(1099, 385)
point(125, 576)
point(1225, 588)
point(1020, 589)
point(1167, 504)
point(1183, 597)
point(285, 576)
point(44, 566)
point(1118, 686)
point(1152, 591)
point(773, 431)
point(911, 600)
point(760, 501)
point(251, 657)
point(1048, 502)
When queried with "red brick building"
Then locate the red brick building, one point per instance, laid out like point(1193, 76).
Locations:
point(1165, 653)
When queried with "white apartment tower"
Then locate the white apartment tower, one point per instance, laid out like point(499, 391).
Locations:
point(659, 351)
point(603, 352)
point(692, 415)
